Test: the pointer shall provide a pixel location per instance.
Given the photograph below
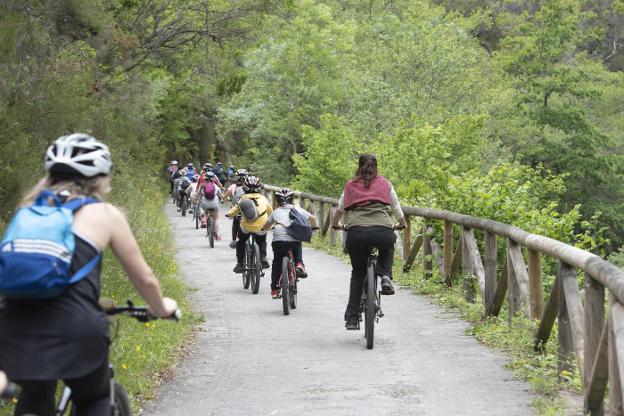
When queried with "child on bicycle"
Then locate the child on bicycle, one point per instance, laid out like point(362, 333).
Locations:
point(210, 195)
point(282, 240)
point(66, 337)
point(234, 193)
point(254, 209)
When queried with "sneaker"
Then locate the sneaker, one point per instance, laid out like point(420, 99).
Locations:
point(232, 244)
point(238, 268)
point(386, 286)
point(300, 271)
point(352, 324)
point(275, 293)
point(265, 263)
point(203, 225)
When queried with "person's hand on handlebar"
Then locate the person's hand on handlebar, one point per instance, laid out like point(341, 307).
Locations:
point(400, 225)
point(169, 307)
point(4, 381)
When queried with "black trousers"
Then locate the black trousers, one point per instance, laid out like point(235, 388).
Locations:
point(235, 227)
point(280, 249)
point(90, 394)
point(240, 245)
point(359, 242)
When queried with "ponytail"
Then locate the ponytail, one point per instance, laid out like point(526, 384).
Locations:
point(367, 169)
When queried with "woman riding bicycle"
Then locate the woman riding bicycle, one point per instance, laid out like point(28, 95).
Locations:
point(66, 337)
point(369, 200)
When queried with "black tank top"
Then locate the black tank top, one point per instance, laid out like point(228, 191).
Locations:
point(61, 338)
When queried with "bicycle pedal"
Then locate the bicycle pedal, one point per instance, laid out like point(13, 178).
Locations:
point(380, 313)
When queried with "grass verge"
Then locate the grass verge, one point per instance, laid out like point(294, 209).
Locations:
point(143, 353)
point(540, 370)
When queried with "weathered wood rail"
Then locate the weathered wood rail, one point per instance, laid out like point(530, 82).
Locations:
point(583, 334)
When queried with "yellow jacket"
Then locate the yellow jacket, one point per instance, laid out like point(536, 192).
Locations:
point(262, 205)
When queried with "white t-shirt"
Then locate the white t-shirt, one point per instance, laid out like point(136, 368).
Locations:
point(280, 217)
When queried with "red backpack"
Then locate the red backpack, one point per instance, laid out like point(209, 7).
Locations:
point(209, 190)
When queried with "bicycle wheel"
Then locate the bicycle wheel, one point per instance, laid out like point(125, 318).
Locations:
point(211, 230)
point(256, 270)
point(293, 294)
point(122, 402)
point(247, 266)
point(371, 307)
point(196, 214)
point(183, 206)
point(285, 287)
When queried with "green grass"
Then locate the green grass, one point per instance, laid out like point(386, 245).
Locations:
point(142, 353)
point(515, 341)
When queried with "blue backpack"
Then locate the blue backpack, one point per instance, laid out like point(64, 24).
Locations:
point(37, 249)
point(299, 227)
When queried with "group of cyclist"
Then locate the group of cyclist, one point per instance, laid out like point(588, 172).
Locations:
point(66, 337)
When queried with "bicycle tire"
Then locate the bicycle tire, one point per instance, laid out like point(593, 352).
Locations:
point(371, 307)
point(246, 267)
point(183, 206)
point(211, 230)
point(196, 214)
point(256, 270)
point(293, 294)
point(285, 286)
point(122, 401)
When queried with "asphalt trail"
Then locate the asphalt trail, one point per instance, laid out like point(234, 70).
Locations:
point(250, 359)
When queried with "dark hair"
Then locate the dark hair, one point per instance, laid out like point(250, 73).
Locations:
point(367, 168)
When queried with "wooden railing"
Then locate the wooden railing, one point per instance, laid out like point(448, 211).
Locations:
point(583, 334)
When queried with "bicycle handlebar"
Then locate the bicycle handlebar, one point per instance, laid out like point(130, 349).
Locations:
point(140, 313)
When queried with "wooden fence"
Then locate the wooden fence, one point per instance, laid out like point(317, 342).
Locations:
point(583, 334)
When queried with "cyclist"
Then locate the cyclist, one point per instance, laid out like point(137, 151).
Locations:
point(254, 209)
point(282, 241)
point(220, 173)
point(190, 171)
point(67, 337)
point(173, 167)
point(191, 190)
point(370, 200)
point(183, 182)
point(210, 197)
point(234, 193)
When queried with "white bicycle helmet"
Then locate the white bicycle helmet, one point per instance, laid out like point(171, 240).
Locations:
point(78, 153)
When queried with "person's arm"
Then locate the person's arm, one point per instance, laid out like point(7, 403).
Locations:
point(313, 221)
point(228, 193)
point(339, 212)
point(396, 208)
point(233, 211)
point(268, 224)
point(126, 249)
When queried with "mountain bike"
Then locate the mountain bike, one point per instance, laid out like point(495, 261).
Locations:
point(288, 283)
point(370, 304)
point(211, 232)
point(183, 204)
point(120, 402)
point(252, 267)
point(196, 214)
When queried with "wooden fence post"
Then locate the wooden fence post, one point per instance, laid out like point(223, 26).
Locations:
point(427, 253)
point(321, 217)
point(407, 238)
point(466, 264)
point(616, 405)
point(536, 286)
point(594, 326)
point(448, 252)
point(490, 270)
point(565, 348)
point(332, 232)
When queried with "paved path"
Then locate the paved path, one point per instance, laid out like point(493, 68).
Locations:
point(250, 359)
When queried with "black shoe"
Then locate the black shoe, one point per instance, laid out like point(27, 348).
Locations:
point(238, 268)
point(352, 324)
point(386, 286)
point(232, 244)
point(265, 264)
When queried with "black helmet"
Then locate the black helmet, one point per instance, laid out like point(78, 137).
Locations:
point(241, 174)
point(252, 184)
point(285, 196)
point(210, 175)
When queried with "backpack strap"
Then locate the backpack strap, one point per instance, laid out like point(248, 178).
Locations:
point(85, 270)
point(77, 203)
point(44, 197)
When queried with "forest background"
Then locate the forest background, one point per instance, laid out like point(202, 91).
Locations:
point(510, 110)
